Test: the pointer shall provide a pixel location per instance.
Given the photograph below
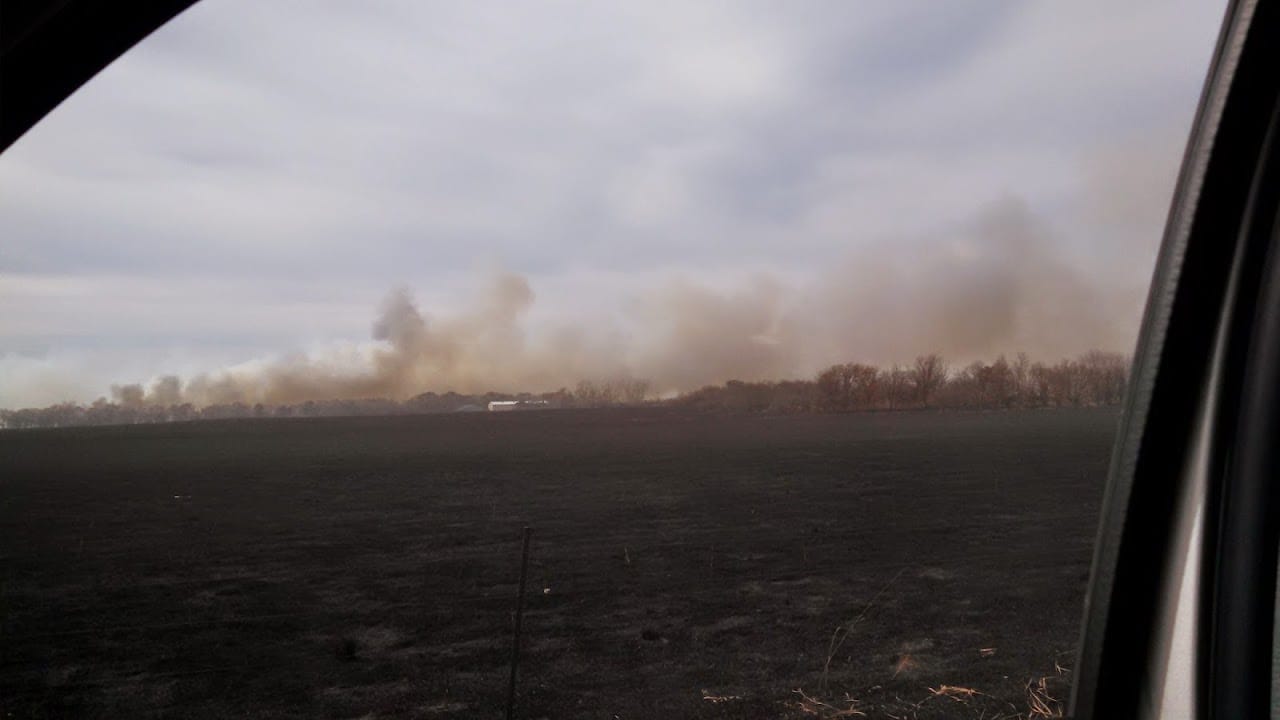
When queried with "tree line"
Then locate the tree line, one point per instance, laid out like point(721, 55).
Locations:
point(1092, 379)
point(129, 405)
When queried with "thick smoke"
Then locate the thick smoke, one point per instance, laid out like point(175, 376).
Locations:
point(701, 336)
point(483, 349)
point(999, 286)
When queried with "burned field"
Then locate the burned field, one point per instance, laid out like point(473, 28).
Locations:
point(683, 565)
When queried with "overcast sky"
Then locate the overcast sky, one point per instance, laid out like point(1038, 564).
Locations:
point(255, 177)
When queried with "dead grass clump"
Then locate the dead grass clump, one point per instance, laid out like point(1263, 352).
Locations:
point(715, 699)
point(977, 703)
point(955, 692)
point(1040, 704)
point(813, 706)
point(1045, 695)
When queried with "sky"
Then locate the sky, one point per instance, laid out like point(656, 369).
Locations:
point(551, 190)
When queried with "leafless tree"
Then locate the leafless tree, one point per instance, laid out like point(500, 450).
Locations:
point(1105, 376)
point(895, 384)
point(1021, 369)
point(928, 374)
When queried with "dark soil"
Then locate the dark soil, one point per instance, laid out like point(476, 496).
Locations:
point(682, 565)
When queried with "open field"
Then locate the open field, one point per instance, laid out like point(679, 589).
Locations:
point(683, 565)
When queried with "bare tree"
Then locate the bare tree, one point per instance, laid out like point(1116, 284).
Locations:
point(928, 374)
point(633, 391)
point(1039, 385)
point(1002, 383)
point(895, 384)
point(833, 389)
point(591, 394)
point(849, 386)
point(864, 384)
point(1021, 369)
point(1105, 376)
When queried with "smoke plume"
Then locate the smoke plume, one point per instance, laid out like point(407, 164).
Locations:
point(999, 286)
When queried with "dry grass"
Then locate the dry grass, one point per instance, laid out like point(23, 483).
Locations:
point(813, 706)
point(1045, 698)
point(1042, 702)
point(841, 633)
point(955, 692)
point(717, 699)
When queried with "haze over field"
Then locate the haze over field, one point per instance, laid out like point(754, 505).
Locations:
point(444, 196)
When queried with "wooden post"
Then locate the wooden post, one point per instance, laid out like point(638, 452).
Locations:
point(515, 636)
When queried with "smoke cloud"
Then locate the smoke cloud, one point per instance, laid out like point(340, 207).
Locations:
point(999, 286)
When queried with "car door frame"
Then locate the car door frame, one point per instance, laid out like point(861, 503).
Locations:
point(1180, 610)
